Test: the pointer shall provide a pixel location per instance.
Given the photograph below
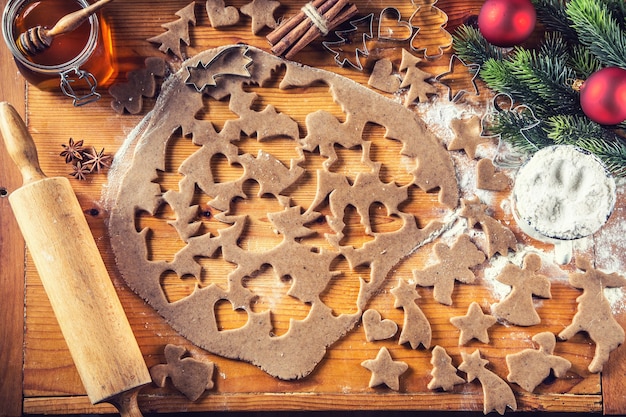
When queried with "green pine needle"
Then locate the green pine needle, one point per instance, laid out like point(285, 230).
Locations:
point(598, 30)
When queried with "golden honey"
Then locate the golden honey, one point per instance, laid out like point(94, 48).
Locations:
point(76, 62)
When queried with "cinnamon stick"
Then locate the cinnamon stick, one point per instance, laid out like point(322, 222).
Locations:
point(287, 26)
point(292, 36)
point(313, 32)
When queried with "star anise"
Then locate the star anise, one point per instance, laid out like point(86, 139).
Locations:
point(73, 151)
point(80, 171)
point(97, 160)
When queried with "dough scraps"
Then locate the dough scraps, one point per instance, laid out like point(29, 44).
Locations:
point(190, 376)
point(474, 324)
point(416, 328)
point(443, 372)
point(296, 259)
point(141, 83)
point(517, 307)
point(594, 314)
point(376, 328)
point(499, 237)
point(496, 392)
point(531, 367)
point(385, 370)
point(453, 264)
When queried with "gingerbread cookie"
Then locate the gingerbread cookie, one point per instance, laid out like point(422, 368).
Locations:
point(474, 324)
point(385, 370)
point(517, 307)
point(487, 178)
point(382, 77)
point(531, 367)
point(594, 314)
point(467, 135)
point(221, 15)
point(177, 31)
point(443, 372)
point(141, 83)
point(416, 329)
point(453, 264)
point(496, 392)
point(376, 328)
point(262, 14)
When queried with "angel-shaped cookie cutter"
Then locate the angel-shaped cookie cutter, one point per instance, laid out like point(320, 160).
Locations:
point(506, 156)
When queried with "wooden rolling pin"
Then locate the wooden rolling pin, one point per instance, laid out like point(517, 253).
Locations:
point(74, 276)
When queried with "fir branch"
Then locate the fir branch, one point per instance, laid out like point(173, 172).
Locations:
point(509, 125)
point(583, 62)
point(553, 15)
point(471, 46)
point(588, 135)
point(598, 30)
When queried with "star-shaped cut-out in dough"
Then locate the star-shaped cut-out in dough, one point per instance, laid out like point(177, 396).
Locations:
point(385, 370)
point(453, 78)
point(474, 324)
point(467, 135)
point(262, 14)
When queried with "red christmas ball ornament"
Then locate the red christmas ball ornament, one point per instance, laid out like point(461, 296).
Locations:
point(603, 96)
point(507, 22)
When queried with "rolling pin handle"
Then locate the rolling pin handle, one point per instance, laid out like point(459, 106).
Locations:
point(19, 143)
point(126, 403)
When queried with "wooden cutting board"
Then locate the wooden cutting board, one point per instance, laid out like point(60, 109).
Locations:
point(49, 381)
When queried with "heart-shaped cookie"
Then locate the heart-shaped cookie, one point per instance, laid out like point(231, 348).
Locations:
point(383, 78)
point(376, 328)
point(221, 15)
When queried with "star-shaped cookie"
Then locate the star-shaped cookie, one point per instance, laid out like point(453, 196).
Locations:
point(474, 324)
point(385, 370)
point(467, 135)
point(262, 14)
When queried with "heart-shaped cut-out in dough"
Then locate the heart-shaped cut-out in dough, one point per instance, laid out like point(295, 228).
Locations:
point(303, 269)
point(391, 27)
point(376, 328)
point(221, 15)
point(382, 77)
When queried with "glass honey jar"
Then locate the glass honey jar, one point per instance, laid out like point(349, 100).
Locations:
point(78, 61)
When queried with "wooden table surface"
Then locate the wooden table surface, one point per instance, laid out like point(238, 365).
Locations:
point(38, 376)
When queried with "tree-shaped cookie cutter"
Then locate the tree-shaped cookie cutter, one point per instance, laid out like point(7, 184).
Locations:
point(346, 36)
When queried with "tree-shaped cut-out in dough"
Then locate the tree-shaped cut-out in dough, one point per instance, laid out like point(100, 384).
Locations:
point(302, 258)
point(594, 314)
point(443, 372)
point(496, 392)
point(415, 79)
point(517, 307)
point(531, 367)
point(499, 237)
point(416, 329)
point(453, 264)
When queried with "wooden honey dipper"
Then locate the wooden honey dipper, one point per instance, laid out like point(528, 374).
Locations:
point(36, 39)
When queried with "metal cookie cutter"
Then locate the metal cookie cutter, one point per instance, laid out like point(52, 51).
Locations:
point(335, 47)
